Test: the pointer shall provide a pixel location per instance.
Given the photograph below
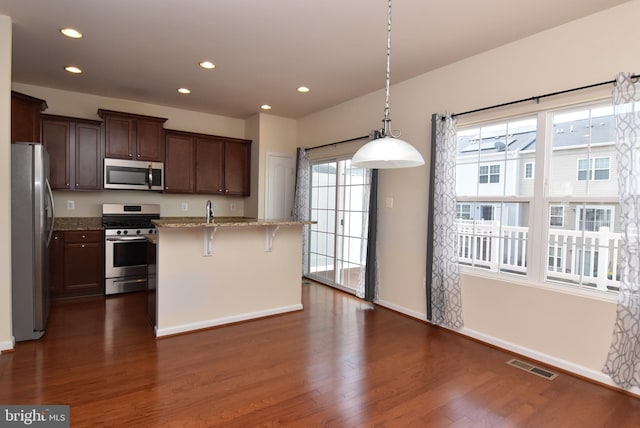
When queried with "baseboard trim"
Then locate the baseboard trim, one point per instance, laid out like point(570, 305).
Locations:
point(566, 366)
point(400, 309)
point(216, 322)
point(8, 345)
point(550, 360)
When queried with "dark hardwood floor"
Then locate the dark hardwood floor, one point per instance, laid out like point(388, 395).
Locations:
point(339, 362)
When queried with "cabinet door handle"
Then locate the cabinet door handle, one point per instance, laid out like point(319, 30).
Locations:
point(82, 245)
point(83, 237)
point(130, 155)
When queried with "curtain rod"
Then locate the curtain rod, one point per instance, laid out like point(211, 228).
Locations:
point(539, 97)
point(338, 142)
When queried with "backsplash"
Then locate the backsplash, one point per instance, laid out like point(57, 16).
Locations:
point(89, 204)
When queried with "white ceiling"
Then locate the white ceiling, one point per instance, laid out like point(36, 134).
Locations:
point(144, 50)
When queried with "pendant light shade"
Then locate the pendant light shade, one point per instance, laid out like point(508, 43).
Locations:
point(385, 153)
point(385, 150)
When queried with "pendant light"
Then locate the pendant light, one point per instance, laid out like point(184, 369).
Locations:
point(385, 150)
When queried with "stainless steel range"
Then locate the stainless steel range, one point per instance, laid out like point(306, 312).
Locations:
point(126, 227)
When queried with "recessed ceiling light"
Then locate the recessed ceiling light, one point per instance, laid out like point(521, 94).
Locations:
point(265, 107)
point(184, 90)
point(73, 69)
point(70, 32)
point(303, 89)
point(207, 64)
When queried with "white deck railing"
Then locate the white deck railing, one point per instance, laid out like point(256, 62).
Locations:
point(573, 256)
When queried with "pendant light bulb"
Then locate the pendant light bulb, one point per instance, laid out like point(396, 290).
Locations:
point(385, 151)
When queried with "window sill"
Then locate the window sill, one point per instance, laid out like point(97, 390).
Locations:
point(605, 296)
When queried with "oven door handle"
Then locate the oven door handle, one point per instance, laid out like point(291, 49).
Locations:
point(123, 239)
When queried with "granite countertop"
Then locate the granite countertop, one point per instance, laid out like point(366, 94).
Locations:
point(77, 223)
point(223, 222)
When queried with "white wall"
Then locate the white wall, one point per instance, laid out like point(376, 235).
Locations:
point(271, 134)
point(562, 328)
point(6, 335)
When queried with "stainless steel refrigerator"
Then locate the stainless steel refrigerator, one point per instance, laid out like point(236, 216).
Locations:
point(32, 216)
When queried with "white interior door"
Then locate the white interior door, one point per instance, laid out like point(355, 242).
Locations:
point(280, 186)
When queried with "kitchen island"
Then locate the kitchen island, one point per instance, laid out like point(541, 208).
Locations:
point(229, 270)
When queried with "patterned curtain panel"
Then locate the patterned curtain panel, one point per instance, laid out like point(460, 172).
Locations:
point(445, 298)
point(366, 267)
point(623, 361)
point(301, 201)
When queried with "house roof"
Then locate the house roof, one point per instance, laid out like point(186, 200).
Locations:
point(565, 134)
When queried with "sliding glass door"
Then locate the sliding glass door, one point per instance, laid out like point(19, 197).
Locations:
point(337, 241)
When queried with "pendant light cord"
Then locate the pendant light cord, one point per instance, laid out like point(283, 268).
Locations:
point(386, 131)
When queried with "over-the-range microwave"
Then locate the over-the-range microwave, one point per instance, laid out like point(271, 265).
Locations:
point(133, 174)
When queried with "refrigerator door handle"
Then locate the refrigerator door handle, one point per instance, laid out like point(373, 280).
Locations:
point(53, 210)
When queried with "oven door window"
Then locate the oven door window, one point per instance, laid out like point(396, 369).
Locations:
point(132, 253)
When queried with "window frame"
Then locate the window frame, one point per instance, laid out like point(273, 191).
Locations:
point(489, 174)
point(585, 207)
point(591, 169)
point(540, 200)
point(556, 216)
point(532, 174)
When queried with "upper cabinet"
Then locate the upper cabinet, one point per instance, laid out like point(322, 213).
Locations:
point(237, 167)
point(210, 166)
point(75, 152)
point(207, 164)
point(133, 136)
point(25, 117)
point(179, 165)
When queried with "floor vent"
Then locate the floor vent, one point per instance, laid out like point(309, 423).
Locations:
point(533, 369)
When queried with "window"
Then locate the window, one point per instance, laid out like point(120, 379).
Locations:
point(528, 170)
point(487, 212)
point(556, 216)
point(592, 218)
point(573, 206)
point(463, 211)
point(489, 174)
point(495, 235)
point(555, 259)
point(593, 169)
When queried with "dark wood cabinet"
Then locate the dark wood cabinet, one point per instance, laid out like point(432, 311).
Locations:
point(179, 166)
point(237, 168)
point(55, 259)
point(75, 152)
point(76, 263)
point(132, 136)
point(207, 164)
point(25, 117)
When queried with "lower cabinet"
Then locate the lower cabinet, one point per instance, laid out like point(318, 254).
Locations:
point(76, 263)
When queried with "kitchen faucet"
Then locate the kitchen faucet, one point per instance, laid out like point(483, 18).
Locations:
point(209, 209)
